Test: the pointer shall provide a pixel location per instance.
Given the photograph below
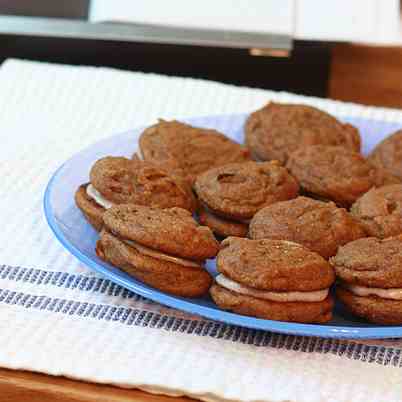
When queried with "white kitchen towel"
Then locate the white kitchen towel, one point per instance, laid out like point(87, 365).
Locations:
point(58, 317)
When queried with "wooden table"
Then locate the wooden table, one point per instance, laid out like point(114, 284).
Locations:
point(362, 74)
point(367, 74)
point(23, 386)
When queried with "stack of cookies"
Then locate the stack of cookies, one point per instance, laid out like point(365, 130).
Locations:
point(165, 248)
point(231, 195)
point(297, 209)
point(143, 207)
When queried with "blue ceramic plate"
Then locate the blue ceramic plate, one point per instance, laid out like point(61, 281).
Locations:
point(78, 237)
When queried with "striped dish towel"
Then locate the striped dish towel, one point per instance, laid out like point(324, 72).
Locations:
point(60, 318)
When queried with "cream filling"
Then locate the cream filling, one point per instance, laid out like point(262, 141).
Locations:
point(312, 296)
point(393, 294)
point(98, 197)
point(139, 154)
point(161, 256)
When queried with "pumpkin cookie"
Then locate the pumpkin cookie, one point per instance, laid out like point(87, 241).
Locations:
point(335, 173)
point(388, 154)
point(188, 150)
point(320, 226)
point(92, 210)
point(117, 180)
point(233, 193)
point(276, 130)
point(222, 226)
point(380, 211)
point(273, 279)
point(370, 273)
point(163, 248)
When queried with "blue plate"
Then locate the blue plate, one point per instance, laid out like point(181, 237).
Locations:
point(78, 237)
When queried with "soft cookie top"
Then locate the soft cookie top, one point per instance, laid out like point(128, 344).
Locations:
point(275, 265)
point(335, 173)
point(320, 226)
point(388, 154)
point(239, 190)
point(380, 211)
point(276, 130)
point(187, 149)
point(172, 231)
point(121, 180)
point(371, 262)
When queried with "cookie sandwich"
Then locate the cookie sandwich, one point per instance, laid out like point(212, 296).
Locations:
point(230, 195)
point(188, 150)
point(118, 180)
point(320, 226)
point(164, 248)
point(369, 275)
point(335, 173)
point(278, 129)
point(388, 154)
point(273, 279)
point(380, 211)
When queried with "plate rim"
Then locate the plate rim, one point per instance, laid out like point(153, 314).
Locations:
point(215, 314)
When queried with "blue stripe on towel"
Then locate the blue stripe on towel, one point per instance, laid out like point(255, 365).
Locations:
point(67, 281)
point(136, 317)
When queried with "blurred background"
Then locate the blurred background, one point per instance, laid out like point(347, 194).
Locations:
point(337, 49)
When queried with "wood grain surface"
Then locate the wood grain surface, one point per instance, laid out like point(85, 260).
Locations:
point(366, 74)
point(23, 386)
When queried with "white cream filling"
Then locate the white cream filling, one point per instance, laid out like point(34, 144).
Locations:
point(161, 256)
point(139, 154)
point(98, 197)
point(311, 296)
point(393, 294)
